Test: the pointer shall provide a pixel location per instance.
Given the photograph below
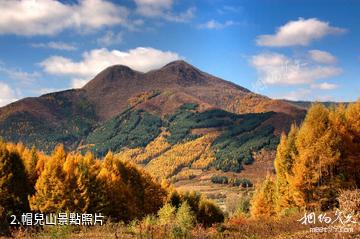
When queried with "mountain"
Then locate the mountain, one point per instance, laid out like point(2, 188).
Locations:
point(122, 109)
point(178, 82)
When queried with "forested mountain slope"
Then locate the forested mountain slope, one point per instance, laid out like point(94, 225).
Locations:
point(122, 109)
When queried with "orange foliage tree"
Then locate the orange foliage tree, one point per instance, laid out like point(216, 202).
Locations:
point(76, 183)
point(314, 162)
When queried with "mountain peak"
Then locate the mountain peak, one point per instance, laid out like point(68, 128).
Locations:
point(184, 73)
point(110, 76)
point(119, 68)
point(117, 71)
point(177, 63)
point(178, 66)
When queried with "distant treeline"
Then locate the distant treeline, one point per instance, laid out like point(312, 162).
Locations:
point(243, 182)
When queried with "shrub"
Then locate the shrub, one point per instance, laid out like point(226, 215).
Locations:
point(184, 220)
point(166, 214)
point(219, 179)
point(237, 205)
point(243, 182)
point(4, 226)
point(243, 206)
point(349, 202)
point(205, 211)
point(209, 213)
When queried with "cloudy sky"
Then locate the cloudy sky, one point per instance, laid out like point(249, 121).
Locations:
point(299, 50)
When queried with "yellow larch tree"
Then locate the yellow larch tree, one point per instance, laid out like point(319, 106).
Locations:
point(114, 194)
point(14, 186)
point(314, 179)
point(285, 155)
point(50, 195)
point(263, 202)
point(352, 116)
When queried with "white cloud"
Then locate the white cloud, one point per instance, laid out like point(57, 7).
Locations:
point(163, 8)
point(322, 57)
point(77, 83)
point(212, 24)
point(110, 38)
point(19, 75)
point(141, 59)
point(324, 86)
point(305, 94)
point(7, 95)
point(49, 17)
point(229, 9)
point(55, 45)
point(277, 69)
point(300, 94)
point(43, 91)
point(300, 32)
point(152, 8)
point(181, 17)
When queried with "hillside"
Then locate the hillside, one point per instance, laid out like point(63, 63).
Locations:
point(122, 109)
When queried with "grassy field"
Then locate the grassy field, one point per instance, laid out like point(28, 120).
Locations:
point(200, 181)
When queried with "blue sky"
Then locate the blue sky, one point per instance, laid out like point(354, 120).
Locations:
point(299, 50)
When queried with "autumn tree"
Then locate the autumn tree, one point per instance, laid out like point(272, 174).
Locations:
point(88, 186)
point(77, 193)
point(166, 214)
point(263, 202)
point(151, 190)
point(14, 186)
point(285, 156)
point(114, 195)
point(352, 116)
point(50, 195)
point(184, 220)
point(319, 149)
point(30, 159)
point(314, 162)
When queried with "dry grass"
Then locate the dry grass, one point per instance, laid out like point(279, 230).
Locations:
point(283, 228)
point(349, 202)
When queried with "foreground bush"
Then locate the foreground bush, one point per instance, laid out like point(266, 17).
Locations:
point(206, 212)
point(4, 227)
point(349, 202)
